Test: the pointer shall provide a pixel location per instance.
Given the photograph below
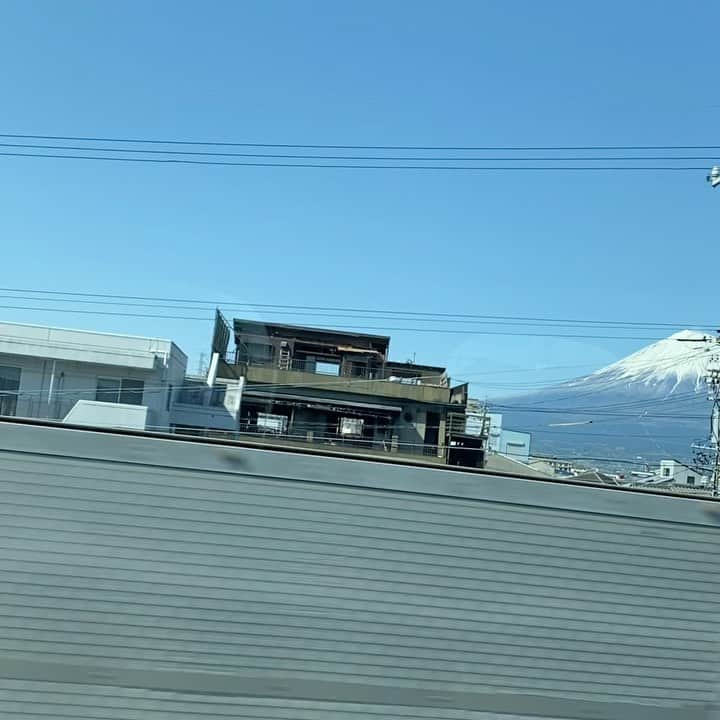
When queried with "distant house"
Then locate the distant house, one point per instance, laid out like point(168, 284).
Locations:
point(512, 443)
point(597, 478)
point(508, 465)
point(676, 473)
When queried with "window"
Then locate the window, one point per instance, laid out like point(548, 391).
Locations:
point(9, 388)
point(193, 394)
point(690, 480)
point(258, 353)
point(266, 422)
point(327, 368)
point(217, 396)
point(666, 472)
point(125, 391)
point(351, 427)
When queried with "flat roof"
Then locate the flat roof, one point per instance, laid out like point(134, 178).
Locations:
point(88, 332)
point(414, 366)
point(77, 340)
point(250, 324)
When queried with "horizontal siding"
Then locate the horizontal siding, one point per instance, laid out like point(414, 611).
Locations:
point(141, 566)
point(44, 700)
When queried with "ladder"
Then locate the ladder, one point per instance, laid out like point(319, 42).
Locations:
point(284, 359)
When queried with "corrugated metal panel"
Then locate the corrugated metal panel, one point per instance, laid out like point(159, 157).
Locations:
point(352, 582)
point(32, 700)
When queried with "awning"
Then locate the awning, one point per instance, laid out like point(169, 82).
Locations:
point(361, 351)
point(325, 403)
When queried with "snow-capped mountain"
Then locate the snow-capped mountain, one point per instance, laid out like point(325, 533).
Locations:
point(652, 404)
point(680, 359)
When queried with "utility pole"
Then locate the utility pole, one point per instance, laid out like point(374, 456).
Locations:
point(713, 381)
point(707, 453)
point(712, 378)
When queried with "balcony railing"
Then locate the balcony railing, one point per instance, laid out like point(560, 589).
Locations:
point(201, 395)
point(313, 437)
point(347, 369)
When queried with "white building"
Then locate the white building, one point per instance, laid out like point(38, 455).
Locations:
point(88, 377)
point(102, 379)
point(675, 473)
point(199, 407)
point(512, 443)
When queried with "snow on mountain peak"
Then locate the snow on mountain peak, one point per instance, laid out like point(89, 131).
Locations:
point(665, 360)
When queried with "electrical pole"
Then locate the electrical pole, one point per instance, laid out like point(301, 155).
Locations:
point(712, 378)
point(707, 453)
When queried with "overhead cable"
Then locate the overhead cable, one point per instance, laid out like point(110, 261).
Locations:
point(439, 148)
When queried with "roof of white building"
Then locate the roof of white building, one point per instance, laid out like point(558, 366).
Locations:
point(85, 346)
point(503, 463)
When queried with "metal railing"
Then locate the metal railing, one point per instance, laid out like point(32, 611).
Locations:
point(201, 395)
point(311, 436)
point(336, 367)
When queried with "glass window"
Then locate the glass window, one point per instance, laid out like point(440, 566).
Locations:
point(125, 391)
point(690, 479)
point(217, 396)
point(351, 427)
point(9, 388)
point(131, 391)
point(327, 368)
point(108, 390)
point(266, 422)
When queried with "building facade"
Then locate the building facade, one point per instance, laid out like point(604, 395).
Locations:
point(676, 473)
point(340, 389)
point(279, 383)
point(512, 443)
point(88, 377)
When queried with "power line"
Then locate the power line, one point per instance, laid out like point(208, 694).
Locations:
point(390, 315)
point(388, 158)
point(347, 166)
point(212, 304)
point(364, 328)
point(570, 411)
point(437, 148)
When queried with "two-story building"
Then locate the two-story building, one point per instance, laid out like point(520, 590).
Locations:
point(88, 377)
point(339, 388)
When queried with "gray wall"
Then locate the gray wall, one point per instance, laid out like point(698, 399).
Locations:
point(259, 584)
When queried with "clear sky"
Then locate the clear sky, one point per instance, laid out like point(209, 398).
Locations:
point(601, 246)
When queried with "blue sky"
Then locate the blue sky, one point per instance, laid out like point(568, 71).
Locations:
point(599, 246)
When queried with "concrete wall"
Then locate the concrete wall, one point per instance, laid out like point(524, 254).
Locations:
point(203, 414)
point(110, 415)
point(412, 433)
point(359, 386)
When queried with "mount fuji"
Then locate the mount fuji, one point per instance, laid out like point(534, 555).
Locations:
point(651, 405)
